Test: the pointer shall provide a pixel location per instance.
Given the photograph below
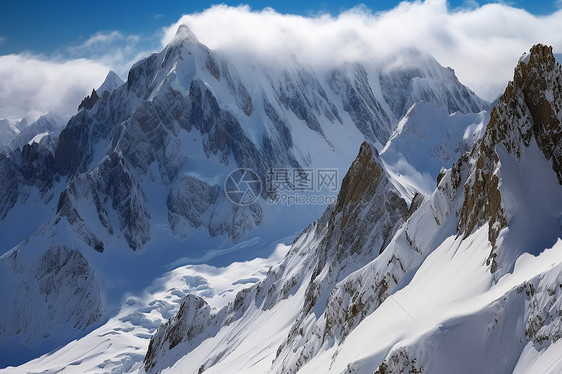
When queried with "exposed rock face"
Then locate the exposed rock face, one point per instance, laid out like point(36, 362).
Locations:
point(60, 287)
point(311, 100)
point(110, 185)
point(193, 203)
point(483, 202)
point(399, 362)
point(365, 200)
point(191, 323)
point(25, 169)
point(89, 101)
point(543, 323)
point(530, 108)
point(359, 102)
point(62, 271)
point(538, 84)
point(354, 231)
point(9, 188)
point(410, 77)
point(189, 199)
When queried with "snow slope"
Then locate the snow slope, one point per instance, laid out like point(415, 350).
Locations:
point(427, 139)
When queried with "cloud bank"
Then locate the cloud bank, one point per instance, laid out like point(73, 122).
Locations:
point(33, 85)
point(482, 44)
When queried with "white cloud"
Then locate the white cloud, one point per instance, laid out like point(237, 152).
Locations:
point(114, 49)
point(482, 44)
point(2, 39)
point(103, 38)
point(32, 86)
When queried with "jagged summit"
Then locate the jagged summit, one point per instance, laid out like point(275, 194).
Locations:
point(537, 81)
point(527, 117)
point(184, 34)
point(111, 82)
point(530, 107)
point(424, 76)
point(89, 101)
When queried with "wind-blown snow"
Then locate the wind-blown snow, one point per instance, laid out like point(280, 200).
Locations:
point(37, 138)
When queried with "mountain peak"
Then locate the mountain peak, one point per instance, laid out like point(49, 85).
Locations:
point(183, 34)
point(537, 86)
point(366, 168)
point(539, 53)
point(111, 82)
point(528, 113)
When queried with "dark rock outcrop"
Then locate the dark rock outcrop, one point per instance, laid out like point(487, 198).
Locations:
point(89, 101)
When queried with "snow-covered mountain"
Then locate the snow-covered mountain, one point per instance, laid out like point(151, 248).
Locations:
point(134, 185)
point(16, 135)
point(241, 116)
point(49, 124)
point(466, 279)
point(111, 82)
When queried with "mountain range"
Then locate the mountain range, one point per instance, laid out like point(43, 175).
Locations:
point(122, 250)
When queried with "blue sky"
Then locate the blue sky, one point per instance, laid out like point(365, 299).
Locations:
point(45, 27)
